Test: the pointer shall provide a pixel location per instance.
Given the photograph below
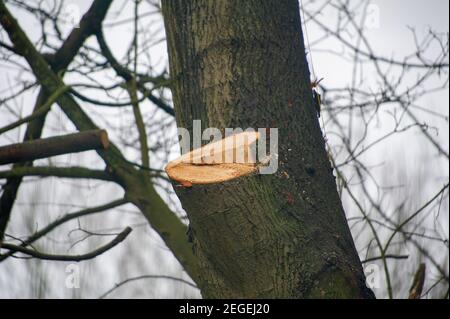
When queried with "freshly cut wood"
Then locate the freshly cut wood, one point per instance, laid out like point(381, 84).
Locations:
point(217, 162)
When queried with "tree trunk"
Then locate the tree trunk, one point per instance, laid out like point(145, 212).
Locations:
point(242, 64)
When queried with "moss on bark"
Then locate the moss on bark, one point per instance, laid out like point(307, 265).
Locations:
point(242, 64)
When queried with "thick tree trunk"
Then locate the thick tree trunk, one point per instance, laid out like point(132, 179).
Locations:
point(242, 64)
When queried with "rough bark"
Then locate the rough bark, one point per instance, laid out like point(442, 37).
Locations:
point(52, 146)
point(242, 64)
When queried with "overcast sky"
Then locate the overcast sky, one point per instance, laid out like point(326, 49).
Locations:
point(391, 39)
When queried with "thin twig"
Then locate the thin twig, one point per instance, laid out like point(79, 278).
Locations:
point(44, 256)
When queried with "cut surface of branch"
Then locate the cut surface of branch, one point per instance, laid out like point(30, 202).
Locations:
point(217, 162)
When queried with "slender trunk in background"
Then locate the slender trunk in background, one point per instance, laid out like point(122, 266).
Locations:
point(242, 64)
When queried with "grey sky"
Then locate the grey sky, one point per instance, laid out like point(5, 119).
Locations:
point(391, 39)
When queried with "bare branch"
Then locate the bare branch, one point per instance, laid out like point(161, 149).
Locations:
point(146, 277)
point(385, 257)
point(43, 148)
point(50, 227)
point(63, 172)
point(59, 61)
point(44, 256)
point(39, 112)
point(415, 291)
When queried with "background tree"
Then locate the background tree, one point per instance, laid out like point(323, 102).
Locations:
point(385, 213)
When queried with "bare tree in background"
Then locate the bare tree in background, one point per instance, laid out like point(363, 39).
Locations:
point(393, 221)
